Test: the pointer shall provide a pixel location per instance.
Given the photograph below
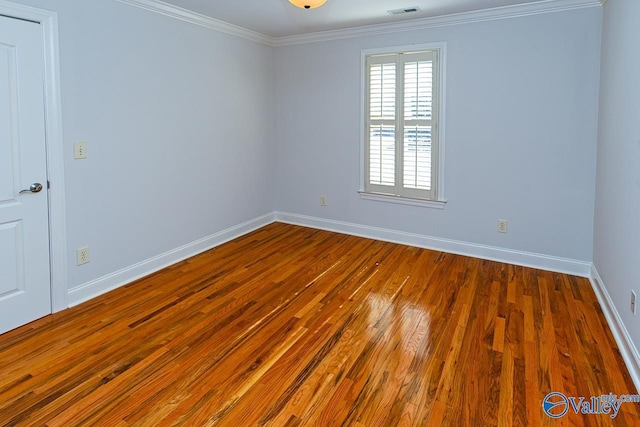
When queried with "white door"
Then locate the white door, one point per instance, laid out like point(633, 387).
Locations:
point(25, 283)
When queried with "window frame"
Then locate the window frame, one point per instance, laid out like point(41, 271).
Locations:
point(429, 198)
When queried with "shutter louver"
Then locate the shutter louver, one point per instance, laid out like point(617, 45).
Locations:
point(417, 157)
point(418, 114)
point(382, 134)
point(382, 155)
point(418, 90)
point(383, 92)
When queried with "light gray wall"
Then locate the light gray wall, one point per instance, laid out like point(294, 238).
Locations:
point(179, 125)
point(191, 131)
point(617, 208)
point(521, 126)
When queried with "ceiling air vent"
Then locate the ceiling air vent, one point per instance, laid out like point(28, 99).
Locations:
point(404, 10)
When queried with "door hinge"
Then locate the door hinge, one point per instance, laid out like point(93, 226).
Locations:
point(48, 184)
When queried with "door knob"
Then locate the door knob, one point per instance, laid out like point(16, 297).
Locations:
point(35, 188)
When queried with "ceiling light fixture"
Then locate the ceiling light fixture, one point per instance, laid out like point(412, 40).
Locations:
point(307, 4)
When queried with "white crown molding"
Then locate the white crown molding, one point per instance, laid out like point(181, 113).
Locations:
point(516, 11)
point(535, 8)
point(186, 15)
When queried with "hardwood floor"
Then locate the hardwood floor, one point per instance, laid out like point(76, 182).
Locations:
point(292, 326)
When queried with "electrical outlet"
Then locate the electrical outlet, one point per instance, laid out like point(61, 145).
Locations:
point(80, 150)
point(502, 226)
point(323, 200)
point(83, 255)
point(633, 302)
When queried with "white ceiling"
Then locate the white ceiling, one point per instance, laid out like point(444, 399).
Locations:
point(278, 18)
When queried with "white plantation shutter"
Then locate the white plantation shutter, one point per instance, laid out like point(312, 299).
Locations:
point(382, 162)
point(401, 121)
point(382, 124)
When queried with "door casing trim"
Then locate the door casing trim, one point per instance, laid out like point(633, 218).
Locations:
point(48, 21)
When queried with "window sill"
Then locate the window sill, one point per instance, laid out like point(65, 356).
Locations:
point(387, 198)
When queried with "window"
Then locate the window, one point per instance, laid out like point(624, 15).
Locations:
point(401, 133)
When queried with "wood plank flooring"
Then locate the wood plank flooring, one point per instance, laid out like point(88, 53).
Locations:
point(290, 326)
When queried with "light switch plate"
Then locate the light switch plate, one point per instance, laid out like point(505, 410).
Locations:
point(80, 150)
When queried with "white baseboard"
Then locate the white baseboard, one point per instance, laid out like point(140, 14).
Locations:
point(620, 333)
point(86, 291)
point(527, 259)
point(113, 281)
point(628, 350)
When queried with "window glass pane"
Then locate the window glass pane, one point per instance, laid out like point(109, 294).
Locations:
point(382, 155)
point(418, 90)
point(382, 88)
point(417, 157)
